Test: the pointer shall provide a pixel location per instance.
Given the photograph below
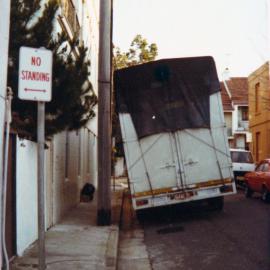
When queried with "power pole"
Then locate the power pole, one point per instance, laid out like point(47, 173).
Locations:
point(104, 115)
point(41, 187)
point(4, 41)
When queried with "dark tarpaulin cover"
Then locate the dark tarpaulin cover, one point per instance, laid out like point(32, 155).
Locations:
point(167, 95)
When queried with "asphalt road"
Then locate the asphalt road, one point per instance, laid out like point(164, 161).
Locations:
point(195, 237)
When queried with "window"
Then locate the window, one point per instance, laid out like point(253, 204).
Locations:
point(257, 146)
point(244, 113)
point(241, 157)
point(257, 97)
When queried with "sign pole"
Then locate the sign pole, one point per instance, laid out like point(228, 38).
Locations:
point(41, 193)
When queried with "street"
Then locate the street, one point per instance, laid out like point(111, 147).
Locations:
point(195, 237)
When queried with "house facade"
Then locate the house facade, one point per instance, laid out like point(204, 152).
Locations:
point(234, 94)
point(71, 156)
point(259, 104)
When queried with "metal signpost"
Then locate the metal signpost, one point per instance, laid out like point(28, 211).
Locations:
point(35, 83)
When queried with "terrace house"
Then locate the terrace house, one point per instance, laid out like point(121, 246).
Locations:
point(234, 94)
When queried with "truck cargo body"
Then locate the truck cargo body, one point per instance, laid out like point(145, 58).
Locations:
point(178, 165)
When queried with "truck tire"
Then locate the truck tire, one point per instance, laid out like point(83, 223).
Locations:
point(141, 214)
point(216, 203)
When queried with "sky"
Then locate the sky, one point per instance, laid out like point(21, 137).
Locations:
point(235, 32)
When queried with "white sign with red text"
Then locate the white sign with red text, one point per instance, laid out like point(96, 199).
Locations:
point(35, 74)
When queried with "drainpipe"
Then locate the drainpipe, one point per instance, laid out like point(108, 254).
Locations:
point(4, 43)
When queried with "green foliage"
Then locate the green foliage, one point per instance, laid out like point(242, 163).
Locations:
point(139, 52)
point(73, 99)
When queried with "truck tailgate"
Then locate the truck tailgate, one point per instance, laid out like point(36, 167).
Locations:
point(173, 161)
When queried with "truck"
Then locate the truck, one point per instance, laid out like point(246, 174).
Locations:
point(173, 132)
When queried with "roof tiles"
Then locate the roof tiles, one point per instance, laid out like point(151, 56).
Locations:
point(238, 87)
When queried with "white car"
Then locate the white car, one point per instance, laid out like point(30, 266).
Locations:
point(242, 162)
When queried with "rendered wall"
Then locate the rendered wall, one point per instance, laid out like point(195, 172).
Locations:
point(119, 169)
point(84, 155)
point(26, 194)
point(59, 142)
point(74, 164)
point(93, 144)
point(71, 182)
point(49, 165)
point(70, 161)
point(66, 153)
point(65, 174)
point(89, 156)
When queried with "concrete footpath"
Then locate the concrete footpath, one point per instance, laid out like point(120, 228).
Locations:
point(132, 251)
point(77, 242)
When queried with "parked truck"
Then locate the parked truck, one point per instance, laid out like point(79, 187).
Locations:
point(174, 133)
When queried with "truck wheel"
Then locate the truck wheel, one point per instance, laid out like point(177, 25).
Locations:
point(248, 191)
point(140, 214)
point(216, 203)
point(265, 195)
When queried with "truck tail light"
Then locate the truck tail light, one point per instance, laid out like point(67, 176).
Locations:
point(141, 202)
point(225, 189)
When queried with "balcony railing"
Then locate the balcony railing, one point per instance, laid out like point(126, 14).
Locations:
point(243, 126)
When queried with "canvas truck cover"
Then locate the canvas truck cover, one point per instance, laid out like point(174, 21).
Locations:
point(167, 95)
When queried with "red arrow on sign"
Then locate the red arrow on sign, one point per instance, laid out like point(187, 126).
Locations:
point(34, 90)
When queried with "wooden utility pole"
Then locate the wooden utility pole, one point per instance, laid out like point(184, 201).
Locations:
point(41, 186)
point(104, 115)
point(4, 42)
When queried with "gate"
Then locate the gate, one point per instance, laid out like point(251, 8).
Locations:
point(11, 199)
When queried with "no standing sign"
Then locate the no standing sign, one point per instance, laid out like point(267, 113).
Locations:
point(35, 83)
point(35, 74)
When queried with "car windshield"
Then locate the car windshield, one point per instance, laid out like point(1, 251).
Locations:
point(241, 157)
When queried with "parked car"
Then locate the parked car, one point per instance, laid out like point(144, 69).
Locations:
point(259, 181)
point(242, 162)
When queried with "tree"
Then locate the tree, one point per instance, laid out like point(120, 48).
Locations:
point(73, 99)
point(139, 52)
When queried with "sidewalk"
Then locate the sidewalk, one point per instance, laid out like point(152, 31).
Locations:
point(132, 251)
point(77, 242)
